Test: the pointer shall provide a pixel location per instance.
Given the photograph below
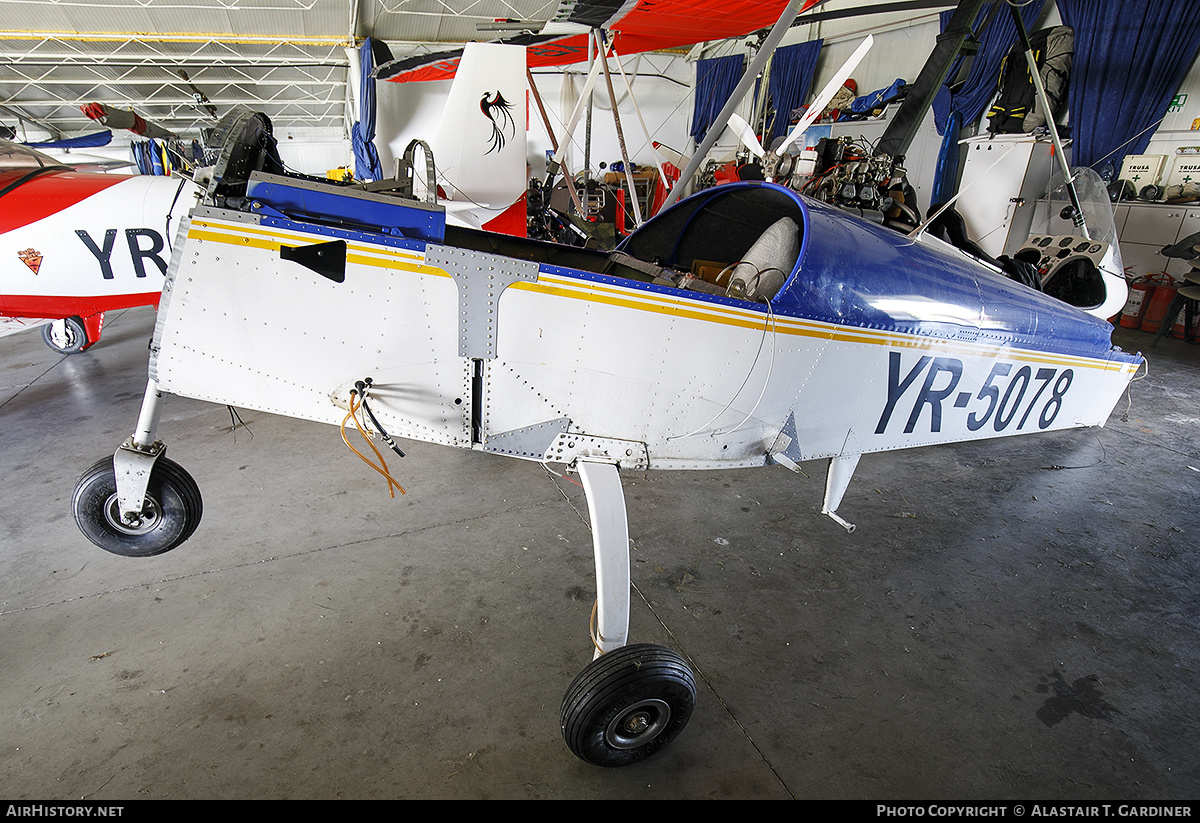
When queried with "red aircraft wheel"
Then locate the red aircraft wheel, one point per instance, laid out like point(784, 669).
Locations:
point(65, 336)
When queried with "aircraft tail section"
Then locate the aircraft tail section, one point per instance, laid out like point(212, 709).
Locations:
point(479, 146)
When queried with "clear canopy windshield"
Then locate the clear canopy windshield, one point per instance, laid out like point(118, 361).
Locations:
point(1094, 205)
point(16, 156)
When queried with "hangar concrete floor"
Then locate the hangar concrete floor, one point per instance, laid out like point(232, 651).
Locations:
point(1012, 619)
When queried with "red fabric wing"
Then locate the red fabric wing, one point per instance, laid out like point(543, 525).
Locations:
point(648, 26)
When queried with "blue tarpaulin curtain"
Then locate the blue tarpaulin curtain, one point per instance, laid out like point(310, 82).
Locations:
point(362, 133)
point(792, 69)
point(1130, 58)
point(715, 82)
point(87, 141)
point(972, 98)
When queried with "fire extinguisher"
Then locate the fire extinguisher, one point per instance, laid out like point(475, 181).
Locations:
point(1178, 330)
point(1137, 303)
point(1159, 303)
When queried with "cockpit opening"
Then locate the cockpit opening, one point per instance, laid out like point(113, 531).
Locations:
point(740, 240)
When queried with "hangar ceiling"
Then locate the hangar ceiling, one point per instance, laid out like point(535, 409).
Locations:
point(184, 63)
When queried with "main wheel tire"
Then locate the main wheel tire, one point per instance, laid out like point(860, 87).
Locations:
point(169, 515)
point(627, 705)
point(65, 336)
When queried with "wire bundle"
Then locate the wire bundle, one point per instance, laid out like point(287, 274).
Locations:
point(355, 404)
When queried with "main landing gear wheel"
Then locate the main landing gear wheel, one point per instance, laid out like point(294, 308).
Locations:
point(65, 336)
point(169, 515)
point(627, 705)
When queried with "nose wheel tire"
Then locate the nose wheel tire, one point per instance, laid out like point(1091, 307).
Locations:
point(627, 705)
point(170, 514)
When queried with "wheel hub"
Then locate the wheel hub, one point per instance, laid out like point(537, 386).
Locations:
point(638, 724)
point(61, 334)
point(134, 522)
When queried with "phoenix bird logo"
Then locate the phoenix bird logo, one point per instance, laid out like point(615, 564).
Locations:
point(499, 111)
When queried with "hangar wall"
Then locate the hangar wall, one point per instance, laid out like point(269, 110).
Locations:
point(663, 92)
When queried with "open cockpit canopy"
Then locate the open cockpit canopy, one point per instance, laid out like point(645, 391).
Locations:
point(16, 156)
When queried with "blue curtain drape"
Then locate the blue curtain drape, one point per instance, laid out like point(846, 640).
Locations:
point(999, 36)
point(967, 104)
point(945, 175)
point(1130, 58)
point(715, 81)
point(792, 69)
point(362, 133)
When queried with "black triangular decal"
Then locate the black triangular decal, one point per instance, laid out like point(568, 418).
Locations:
point(326, 259)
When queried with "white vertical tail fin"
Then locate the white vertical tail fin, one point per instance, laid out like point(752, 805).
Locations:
point(480, 145)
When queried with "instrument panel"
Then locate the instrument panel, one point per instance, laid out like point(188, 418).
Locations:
point(1069, 267)
point(1047, 251)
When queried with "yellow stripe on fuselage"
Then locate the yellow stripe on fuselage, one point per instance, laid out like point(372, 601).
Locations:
point(247, 236)
point(256, 237)
point(734, 316)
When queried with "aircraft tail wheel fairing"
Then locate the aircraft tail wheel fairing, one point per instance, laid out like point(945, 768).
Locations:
point(65, 336)
point(169, 515)
point(628, 704)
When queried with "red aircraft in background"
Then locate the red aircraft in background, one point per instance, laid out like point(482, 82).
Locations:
point(76, 244)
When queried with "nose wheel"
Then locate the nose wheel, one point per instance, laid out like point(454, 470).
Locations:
point(627, 705)
point(170, 511)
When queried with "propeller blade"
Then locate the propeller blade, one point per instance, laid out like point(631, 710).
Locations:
point(827, 93)
point(669, 154)
point(198, 95)
point(745, 133)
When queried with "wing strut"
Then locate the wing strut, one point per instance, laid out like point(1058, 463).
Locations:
point(612, 99)
point(553, 142)
point(569, 129)
point(658, 158)
point(735, 99)
point(1040, 90)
